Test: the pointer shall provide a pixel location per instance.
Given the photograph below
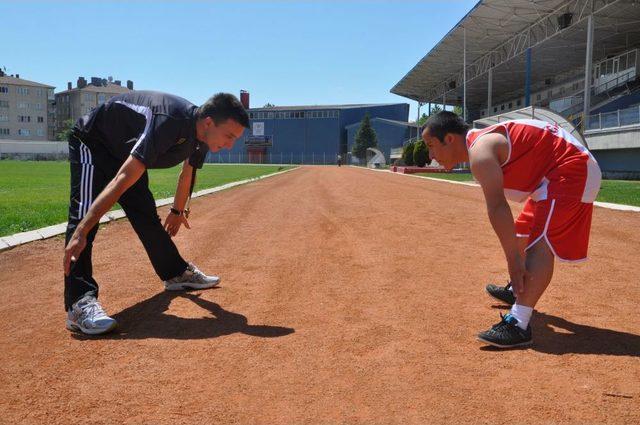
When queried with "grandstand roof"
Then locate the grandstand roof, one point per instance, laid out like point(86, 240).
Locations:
point(497, 35)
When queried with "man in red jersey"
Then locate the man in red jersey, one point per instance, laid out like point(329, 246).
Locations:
point(533, 161)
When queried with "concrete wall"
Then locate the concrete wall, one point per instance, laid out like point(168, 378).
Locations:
point(619, 163)
point(613, 138)
point(45, 150)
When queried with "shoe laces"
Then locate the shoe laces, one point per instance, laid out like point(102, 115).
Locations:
point(196, 273)
point(505, 321)
point(91, 309)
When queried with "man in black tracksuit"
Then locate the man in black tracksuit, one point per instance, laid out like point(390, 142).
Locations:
point(109, 152)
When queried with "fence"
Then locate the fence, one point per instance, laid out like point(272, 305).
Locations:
point(619, 118)
point(318, 158)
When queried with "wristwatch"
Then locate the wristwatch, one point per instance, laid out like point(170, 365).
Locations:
point(175, 211)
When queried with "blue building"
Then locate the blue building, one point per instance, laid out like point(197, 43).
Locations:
point(305, 134)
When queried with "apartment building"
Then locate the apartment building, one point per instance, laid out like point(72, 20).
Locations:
point(73, 103)
point(26, 109)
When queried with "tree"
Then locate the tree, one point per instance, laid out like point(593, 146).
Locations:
point(365, 138)
point(269, 105)
point(407, 153)
point(65, 130)
point(434, 110)
point(420, 153)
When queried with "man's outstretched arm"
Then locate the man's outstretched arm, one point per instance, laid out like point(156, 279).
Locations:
point(173, 222)
point(128, 174)
point(485, 166)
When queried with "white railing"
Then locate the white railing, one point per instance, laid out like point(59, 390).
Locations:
point(614, 119)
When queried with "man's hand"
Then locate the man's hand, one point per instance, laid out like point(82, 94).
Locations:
point(173, 222)
point(518, 274)
point(127, 175)
point(73, 250)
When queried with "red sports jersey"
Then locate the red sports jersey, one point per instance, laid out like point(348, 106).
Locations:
point(544, 162)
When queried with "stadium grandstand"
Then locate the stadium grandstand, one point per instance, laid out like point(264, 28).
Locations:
point(576, 58)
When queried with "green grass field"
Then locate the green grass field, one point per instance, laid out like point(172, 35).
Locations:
point(445, 176)
point(35, 194)
point(625, 192)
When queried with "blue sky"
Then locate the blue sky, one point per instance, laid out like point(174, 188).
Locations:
point(282, 52)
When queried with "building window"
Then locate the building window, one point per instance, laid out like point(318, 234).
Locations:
point(502, 107)
point(518, 102)
point(101, 99)
point(510, 105)
point(38, 106)
point(40, 132)
point(50, 94)
point(495, 109)
point(40, 119)
point(23, 90)
point(24, 118)
point(23, 105)
point(5, 131)
point(286, 115)
point(4, 89)
point(24, 132)
point(538, 96)
point(39, 92)
point(482, 114)
point(4, 118)
point(270, 115)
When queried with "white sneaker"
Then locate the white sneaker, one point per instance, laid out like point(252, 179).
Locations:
point(192, 278)
point(87, 316)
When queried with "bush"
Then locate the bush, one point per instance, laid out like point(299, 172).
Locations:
point(420, 153)
point(407, 153)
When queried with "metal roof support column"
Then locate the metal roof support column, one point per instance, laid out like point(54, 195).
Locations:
point(587, 75)
point(527, 80)
point(464, 74)
point(417, 119)
point(489, 91)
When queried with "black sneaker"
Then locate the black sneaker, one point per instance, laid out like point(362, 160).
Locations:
point(506, 334)
point(501, 293)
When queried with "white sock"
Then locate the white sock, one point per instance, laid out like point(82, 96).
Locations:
point(522, 313)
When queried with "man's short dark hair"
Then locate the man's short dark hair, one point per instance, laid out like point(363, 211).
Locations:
point(446, 122)
point(223, 106)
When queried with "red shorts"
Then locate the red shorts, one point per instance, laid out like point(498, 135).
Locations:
point(564, 223)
